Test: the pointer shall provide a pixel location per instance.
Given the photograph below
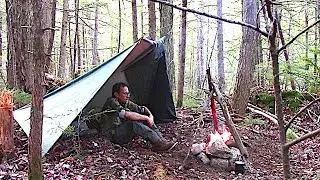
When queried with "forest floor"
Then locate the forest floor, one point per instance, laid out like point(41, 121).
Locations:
point(97, 158)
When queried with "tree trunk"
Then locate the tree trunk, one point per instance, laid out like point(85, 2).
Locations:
point(248, 55)
point(152, 20)
point(166, 29)
point(76, 41)
point(220, 48)
point(142, 32)
point(95, 55)
point(20, 70)
point(35, 170)
point(182, 54)
point(315, 43)
point(120, 23)
point(63, 43)
point(273, 48)
point(1, 63)
point(134, 21)
point(200, 40)
point(11, 64)
point(285, 52)
point(307, 33)
point(72, 61)
point(48, 23)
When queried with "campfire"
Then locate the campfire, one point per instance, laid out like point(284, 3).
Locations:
point(220, 149)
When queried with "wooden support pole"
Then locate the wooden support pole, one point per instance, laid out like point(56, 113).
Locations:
point(229, 121)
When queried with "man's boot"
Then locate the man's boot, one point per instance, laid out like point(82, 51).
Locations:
point(162, 145)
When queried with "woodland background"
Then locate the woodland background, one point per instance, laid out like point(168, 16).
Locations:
point(79, 35)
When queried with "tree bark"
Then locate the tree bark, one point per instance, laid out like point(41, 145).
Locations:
point(75, 42)
point(95, 55)
point(11, 50)
point(306, 13)
point(141, 14)
point(6, 130)
point(248, 55)
point(120, 22)
point(182, 54)
point(35, 170)
point(63, 42)
point(166, 29)
point(72, 61)
point(273, 48)
point(134, 20)
point(152, 20)
point(220, 57)
point(200, 64)
point(20, 70)
point(48, 23)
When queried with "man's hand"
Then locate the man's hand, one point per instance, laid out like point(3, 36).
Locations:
point(150, 121)
point(133, 116)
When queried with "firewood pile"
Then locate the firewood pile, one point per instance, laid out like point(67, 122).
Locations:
point(52, 83)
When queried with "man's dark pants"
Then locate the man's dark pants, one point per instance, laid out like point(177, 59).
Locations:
point(127, 130)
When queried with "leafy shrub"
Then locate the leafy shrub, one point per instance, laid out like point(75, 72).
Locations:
point(21, 98)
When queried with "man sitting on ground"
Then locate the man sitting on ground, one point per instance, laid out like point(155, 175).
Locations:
point(131, 120)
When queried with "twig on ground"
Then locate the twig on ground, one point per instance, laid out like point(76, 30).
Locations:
point(301, 111)
point(306, 136)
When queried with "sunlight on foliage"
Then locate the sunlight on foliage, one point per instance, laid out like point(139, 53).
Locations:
point(160, 173)
point(291, 135)
point(253, 121)
point(69, 131)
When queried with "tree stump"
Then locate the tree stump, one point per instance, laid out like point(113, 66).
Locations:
point(6, 124)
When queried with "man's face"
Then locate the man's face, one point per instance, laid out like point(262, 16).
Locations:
point(123, 95)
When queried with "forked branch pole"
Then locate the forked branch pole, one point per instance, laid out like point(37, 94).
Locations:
point(229, 121)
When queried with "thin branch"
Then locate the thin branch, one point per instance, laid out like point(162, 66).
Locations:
point(306, 136)
point(301, 111)
point(294, 38)
point(213, 16)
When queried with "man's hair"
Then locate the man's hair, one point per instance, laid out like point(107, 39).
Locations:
point(116, 87)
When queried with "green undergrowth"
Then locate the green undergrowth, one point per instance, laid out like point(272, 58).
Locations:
point(21, 98)
point(252, 121)
point(291, 99)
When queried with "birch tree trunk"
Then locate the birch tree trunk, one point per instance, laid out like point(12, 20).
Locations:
point(48, 23)
point(182, 54)
point(220, 48)
point(35, 170)
point(248, 55)
point(63, 42)
point(152, 20)
point(95, 55)
point(134, 20)
point(166, 29)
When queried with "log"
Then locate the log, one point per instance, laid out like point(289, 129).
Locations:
point(271, 117)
